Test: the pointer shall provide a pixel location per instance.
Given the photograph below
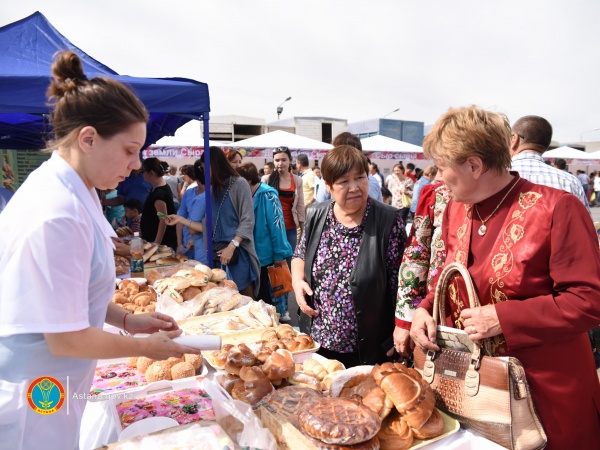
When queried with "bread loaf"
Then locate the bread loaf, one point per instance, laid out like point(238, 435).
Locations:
point(315, 367)
point(279, 365)
point(159, 370)
point(395, 434)
point(432, 428)
point(413, 398)
point(338, 420)
point(182, 370)
point(239, 357)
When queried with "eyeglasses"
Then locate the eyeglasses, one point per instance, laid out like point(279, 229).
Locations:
point(280, 150)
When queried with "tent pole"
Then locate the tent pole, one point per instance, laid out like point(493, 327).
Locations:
point(207, 191)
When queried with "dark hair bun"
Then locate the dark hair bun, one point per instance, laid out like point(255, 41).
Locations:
point(67, 71)
point(164, 166)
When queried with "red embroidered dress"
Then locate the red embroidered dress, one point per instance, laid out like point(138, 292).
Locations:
point(539, 264)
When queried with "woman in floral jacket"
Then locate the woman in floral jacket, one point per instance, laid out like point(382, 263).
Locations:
point(423, 257)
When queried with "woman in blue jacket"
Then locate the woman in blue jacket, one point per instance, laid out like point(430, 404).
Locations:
point(270, 241)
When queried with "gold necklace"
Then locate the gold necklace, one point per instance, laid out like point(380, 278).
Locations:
point(483, 229)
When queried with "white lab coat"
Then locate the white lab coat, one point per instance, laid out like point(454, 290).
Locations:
point(57, 274)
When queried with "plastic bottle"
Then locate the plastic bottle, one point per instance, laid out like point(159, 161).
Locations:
point(137, 256)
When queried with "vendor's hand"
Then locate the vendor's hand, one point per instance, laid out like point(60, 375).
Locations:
point(301, 288)
point(402, 341)
point(226, 254)
point(482, 322)
point(173, 219)
point(423, 330)
point(148, 323)
point(159, 346)
point(181, 250)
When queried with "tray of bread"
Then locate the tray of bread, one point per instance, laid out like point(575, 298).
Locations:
point(254, 345)
point(253, 315)
point(387, 406)
point(124, 374)
point(135, 296)
point(250, 377)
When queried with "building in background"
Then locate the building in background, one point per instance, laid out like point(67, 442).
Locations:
point(322, 129)
point(233, 128)
point(404, 130)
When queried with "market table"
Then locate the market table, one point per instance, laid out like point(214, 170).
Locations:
point(98, 428)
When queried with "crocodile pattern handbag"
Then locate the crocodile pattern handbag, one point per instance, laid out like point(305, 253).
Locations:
point(489, 395)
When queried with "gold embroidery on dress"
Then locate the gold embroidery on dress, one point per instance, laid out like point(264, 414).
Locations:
point(502, 262)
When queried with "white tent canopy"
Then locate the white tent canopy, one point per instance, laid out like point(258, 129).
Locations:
point(566, 152)
point(279, 138)
point(379, 143)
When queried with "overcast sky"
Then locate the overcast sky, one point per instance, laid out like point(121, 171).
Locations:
point(350, 59)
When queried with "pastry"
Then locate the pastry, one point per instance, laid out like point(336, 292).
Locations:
point(190, 292)
point(432, 428)
point(227, 380)
point(182, 370)
point(305, 342)
point(167, 261)
point(280, 364)
point(254, 386)
point(159, 370)
point(218, 275)
point(132, 362)
point(173, 360)
point(143, 363)
point(412, 397)
point(228, 284)
point(194, 360)
point(285, 330)
point(204, 269)
point(269, 335)
point(337, 420)
point(306, 379)
point(315, 367)
point(286, 401)
point(395, 434)
point(239, 357)
point(220, 356)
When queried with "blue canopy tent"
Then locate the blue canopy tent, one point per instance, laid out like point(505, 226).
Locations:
point(27, 49)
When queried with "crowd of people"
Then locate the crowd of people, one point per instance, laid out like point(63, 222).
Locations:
point(364, 288)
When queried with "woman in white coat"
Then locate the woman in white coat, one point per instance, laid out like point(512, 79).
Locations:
point(57, 272)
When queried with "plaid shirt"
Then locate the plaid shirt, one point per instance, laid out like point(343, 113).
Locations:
point(532, 167)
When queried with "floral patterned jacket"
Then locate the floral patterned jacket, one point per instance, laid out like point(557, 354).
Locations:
point(424, 254)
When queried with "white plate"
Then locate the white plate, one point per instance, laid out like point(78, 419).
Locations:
point(147, 426)
point(139, 280)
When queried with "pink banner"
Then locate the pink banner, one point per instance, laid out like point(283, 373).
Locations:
point(172, 152)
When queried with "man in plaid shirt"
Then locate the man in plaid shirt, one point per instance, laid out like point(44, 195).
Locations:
point(531, 137)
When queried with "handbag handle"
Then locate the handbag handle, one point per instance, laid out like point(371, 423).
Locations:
point(439, 300)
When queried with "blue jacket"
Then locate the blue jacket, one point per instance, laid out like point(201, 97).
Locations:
point(270, 239)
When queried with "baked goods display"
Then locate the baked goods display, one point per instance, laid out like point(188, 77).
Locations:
point(286, 401)
point(135, 297)
point(122, 265)
point(276, 365)
point(120, 375)
point(337, 420)
point(260, 344)
point(399, 396)
point(254, 315)
point(203, 290)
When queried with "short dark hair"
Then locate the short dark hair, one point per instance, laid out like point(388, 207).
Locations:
point(347, 138)
point(302, 159)
point(341, 160)
point(410, 166)
point(155, 165)
point(249, 172)
point(133, 203)
point(560, 164)
point(188, 170)
point(534, 130)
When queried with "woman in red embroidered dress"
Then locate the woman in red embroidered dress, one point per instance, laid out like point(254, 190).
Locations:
point(530, 250)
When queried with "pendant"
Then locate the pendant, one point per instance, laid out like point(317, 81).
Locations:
point(482, 230)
